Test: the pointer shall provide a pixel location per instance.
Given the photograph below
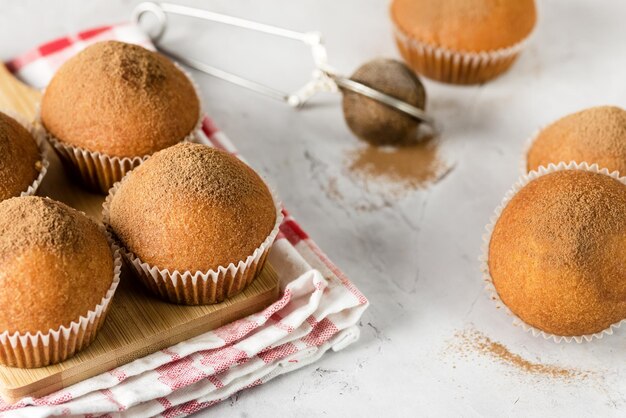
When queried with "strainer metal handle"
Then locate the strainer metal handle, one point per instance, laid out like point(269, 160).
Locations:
point(324, 78)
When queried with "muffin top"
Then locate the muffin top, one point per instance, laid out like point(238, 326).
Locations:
point(192, 207)
point(20, 161)
point(121, 100)
point(594, 135)
point(463, 25)
point(556, 255)
point(55, 264)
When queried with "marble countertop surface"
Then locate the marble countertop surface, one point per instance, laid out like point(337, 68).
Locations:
point(414, 255)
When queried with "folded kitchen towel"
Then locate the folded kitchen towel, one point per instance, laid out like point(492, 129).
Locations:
point(318, 309)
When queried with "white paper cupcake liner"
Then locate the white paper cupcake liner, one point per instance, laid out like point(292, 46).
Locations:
point(27, 350)
point(199, 287)
point(99, 171)
point(484, 258)
point(456, 67)
point(43, 170)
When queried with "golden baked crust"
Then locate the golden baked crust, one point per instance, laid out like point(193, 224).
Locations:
point(55, 264)
point(19, 158)
point(557, 253)
point(121, 100)
point(464, 25)
point(192, 207)
point(594, 135)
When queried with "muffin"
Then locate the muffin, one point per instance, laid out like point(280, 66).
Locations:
point(58, 275)
point(112, 105)
point(556, 253)
point(21, 165)
point(594, 135)
point(461, 41)
point(195, 222)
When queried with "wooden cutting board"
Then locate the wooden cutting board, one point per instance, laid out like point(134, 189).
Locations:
point(138, 324)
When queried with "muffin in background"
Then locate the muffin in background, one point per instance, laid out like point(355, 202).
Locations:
point(112, 105)
point(596, 135)
point(58, 275)
point(462, 41)
point(21, 165)
point(195, 222)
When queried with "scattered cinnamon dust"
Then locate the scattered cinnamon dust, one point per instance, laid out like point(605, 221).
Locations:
point(332, 189)
point(472, 341)
point(395, 171)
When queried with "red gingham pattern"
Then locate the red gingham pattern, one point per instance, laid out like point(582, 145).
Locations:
point(291, 333)
point(221, 359)
point(119, 375)
point(279, 352)
point(109, 395)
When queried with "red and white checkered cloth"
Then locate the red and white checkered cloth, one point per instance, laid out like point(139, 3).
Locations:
point(318, 310)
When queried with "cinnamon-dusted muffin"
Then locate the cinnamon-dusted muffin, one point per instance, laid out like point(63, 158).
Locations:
point(20, 161)
point(594, 135)
point(556, 254)
point(194, 209)
point(120, 101)
point(56, 265)
point(462, 41)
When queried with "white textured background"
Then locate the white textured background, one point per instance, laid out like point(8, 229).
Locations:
point(416, 258)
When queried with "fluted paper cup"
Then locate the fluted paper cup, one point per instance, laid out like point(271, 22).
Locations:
point(455, 67)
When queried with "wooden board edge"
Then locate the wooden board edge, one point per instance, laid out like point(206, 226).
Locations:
point(198, 326)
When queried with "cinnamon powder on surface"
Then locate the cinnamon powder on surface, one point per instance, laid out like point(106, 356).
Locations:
point(395, 171)
point(471, 341)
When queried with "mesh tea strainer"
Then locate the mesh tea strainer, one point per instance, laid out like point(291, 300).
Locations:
point(383, 101)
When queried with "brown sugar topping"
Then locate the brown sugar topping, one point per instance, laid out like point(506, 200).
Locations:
point(461, 25)
point(192, 207)
point(19, 158)
point(55, 264)
point(121, 100)
point(556, 253)
point(594, 135)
